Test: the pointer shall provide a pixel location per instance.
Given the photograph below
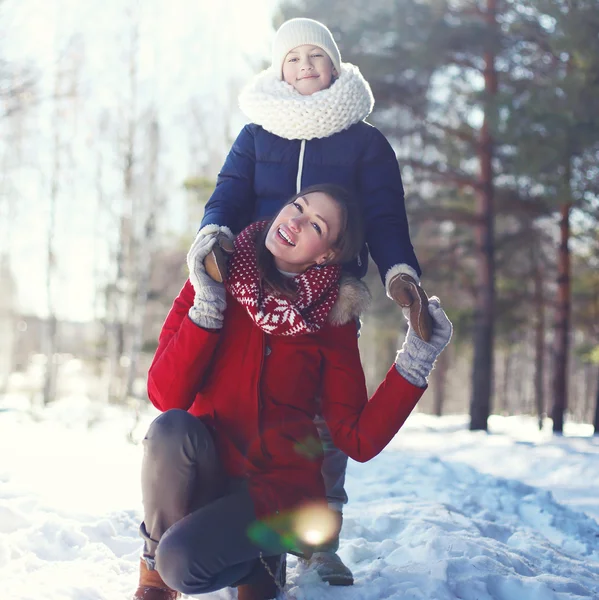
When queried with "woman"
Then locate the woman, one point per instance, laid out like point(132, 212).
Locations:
point(238, 371)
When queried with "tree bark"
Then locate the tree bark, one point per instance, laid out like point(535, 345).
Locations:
point(482, 369)
point(562, 326)
point(50, 330)
point(507, 364)
point(539, 303)
point(596, 421)
point(440, 377)
point(122, 295)
point(587, 394)
point(144, 265)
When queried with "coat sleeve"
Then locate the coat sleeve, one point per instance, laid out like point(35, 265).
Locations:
point(361, 427)
point(385, 219)
point(232, 202)
point(182, 358)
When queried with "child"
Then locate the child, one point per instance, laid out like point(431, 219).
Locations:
point(230, 463)
point(307, 127)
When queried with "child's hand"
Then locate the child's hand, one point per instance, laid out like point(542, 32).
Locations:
point(217, 259)
point(413, 299)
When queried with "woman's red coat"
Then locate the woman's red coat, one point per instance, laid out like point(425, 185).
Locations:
point(260, 394)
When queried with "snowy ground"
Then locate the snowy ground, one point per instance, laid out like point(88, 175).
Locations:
point(442, 514)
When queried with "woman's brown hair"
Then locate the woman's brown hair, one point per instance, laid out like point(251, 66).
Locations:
point(346, 247)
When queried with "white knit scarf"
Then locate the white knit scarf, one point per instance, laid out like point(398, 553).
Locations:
point(282, 110)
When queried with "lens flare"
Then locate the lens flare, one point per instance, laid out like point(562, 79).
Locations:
point(315, 524)
point(313, 537)
point(300, 531)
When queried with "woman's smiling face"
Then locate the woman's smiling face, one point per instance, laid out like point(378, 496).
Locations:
point(308, 69)
point(305, 232)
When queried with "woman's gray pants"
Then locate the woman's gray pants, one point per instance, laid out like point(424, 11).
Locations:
point(195, 518)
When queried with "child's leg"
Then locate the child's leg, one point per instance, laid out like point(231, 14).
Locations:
point(180, 473)
point(334, 464)
point(334, 467)
point(326, 561)
point(210, 549)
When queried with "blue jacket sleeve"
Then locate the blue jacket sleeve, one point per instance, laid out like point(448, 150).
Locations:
point(385, 219)
point(232, 202)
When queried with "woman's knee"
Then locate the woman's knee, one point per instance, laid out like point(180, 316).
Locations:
point(171, 435)
point(174, 562)
point(172, 423)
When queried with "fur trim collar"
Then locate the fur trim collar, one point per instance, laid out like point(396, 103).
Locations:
point(280, 109)
point(354, 298)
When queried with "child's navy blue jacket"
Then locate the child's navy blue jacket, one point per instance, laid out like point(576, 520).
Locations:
point(260, 175)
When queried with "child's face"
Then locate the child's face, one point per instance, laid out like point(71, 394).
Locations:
point(308, 69)
point(304, 232)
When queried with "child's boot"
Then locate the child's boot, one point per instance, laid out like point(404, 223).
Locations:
point(330, 568)
point(327, 563)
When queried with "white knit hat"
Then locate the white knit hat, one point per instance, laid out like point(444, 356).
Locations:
point(297, 32)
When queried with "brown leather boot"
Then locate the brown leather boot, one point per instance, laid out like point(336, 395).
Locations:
point(151, 586)
point(262, 584)
point(408, 294)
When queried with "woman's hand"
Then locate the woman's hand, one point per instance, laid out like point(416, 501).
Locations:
point(210, 296)
point(416, 358)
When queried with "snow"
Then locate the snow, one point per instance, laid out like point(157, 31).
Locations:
point(443, 513)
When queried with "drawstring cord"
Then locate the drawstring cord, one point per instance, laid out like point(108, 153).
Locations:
point(276, 576)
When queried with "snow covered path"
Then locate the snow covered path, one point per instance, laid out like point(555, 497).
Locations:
point(442, 514)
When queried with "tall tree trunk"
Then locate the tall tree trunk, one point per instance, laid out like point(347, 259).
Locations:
point(587, 395)
point(539, 303)
point(562, 325)
point(144, 264)
point(482, 368)
point(50, 331)
point(596, 420)
point(507, 364)
point(520, 377)
point(8, 321)
point(440, 377)
point(124, 292)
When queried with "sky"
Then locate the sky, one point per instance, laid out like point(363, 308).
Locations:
point(442, 513)
point(193, 56)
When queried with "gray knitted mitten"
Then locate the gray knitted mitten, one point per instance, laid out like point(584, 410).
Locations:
point(210, 298)
point(416, 358)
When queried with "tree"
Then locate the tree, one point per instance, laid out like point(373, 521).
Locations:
point(65, 82)
point(120, 294)
point(17, 93)
point(432, 66)
point(145, 250)
point(553, 122)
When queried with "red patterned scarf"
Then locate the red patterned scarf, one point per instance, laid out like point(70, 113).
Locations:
point(317, 291)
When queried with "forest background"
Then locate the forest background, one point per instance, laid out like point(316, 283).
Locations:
point(114, 121)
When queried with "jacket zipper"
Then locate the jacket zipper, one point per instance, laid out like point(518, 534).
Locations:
point(300, 167)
